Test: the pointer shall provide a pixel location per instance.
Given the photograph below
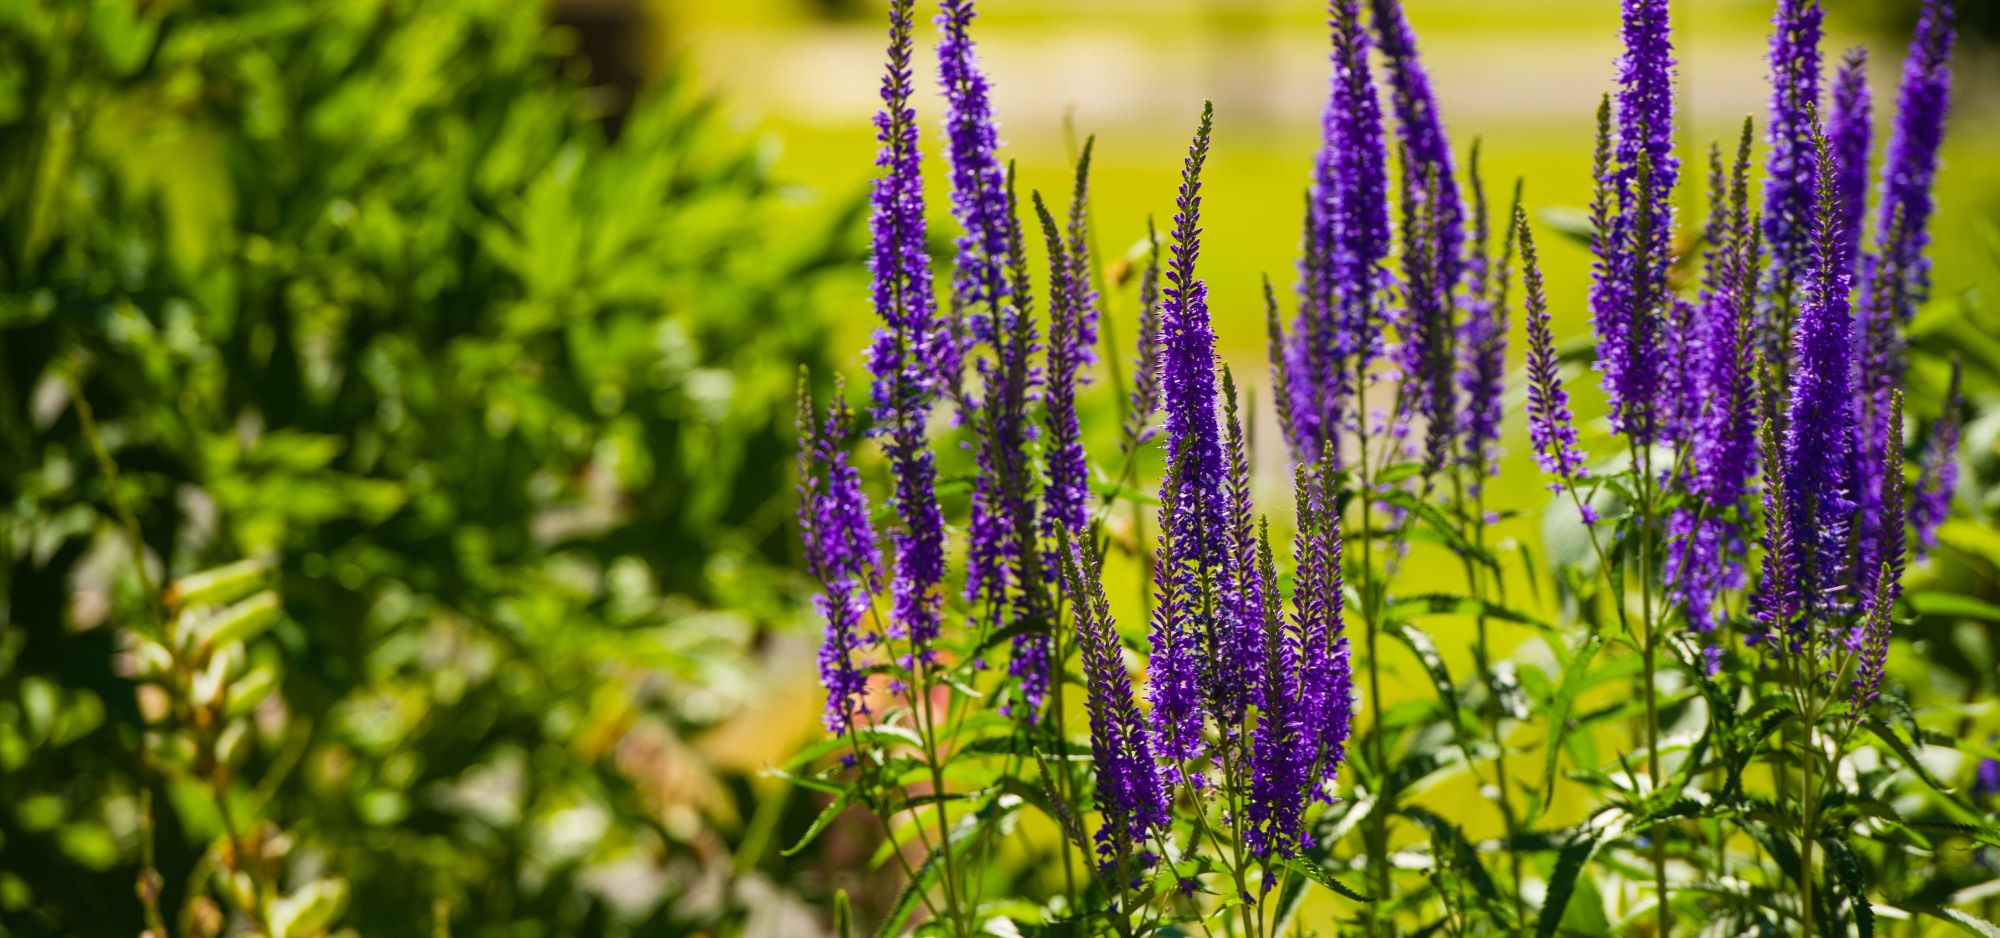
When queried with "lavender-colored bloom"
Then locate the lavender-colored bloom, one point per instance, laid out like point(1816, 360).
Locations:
point(1325, 669)
point(1130, 796)
point(1424, 353)
point(1173, 678)
point(840, 552)
point(1337, 334)
point(1705, 557)
point(1791, 183)
point(1871, 638)
point(1482, 343)
point(903, 355)
point(1819, 421)
point(1235, 661)
point(1987, 778)
point(1850, 135)
point(1724, 451)
point(978, 183)
point(1306, 708)
point(1072, 327)
point(1938, 470)
point(1421, 129)
point(1699, 564)
point(1550, 426)
point(1279, 744)
point(1633, 243)
point(1780, 592)
point(1187, 374)
point(1895, 277)
point(1146, 370)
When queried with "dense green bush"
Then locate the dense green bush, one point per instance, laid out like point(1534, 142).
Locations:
point(365, 291)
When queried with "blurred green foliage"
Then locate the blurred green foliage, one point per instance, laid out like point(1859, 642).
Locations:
point(365, 290)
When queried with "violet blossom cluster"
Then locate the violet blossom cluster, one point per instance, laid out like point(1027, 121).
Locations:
point(1786, 300)
point(1231, 681)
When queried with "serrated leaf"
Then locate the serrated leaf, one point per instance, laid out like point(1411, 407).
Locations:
point(1318, 874)
point(1573, 682)
point(825, 819)
point(1846, 871)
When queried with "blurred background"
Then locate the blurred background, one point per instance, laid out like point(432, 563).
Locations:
point(476, 324)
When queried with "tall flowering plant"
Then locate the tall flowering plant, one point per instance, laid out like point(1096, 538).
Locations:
point(1225, 752)
point(1758, 508)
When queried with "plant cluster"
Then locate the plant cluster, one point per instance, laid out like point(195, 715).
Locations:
point(1730, 620)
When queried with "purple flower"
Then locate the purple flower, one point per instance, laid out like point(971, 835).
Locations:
point(904, 350)
point(1337, 333)
point(1780, 594)
point(1424, 352)
point(1281, 741)
point(1724, 432)
point(1987, 782)
point(1236, 661)
point(1130, 796)
point(840, 551)
point(1482, 344)
point(978, 183)
point(1325, 670)
point(1187, 375)
point(1819, 421)
point(1421, 129)
point(1072, 328)
point(1792, 175)
point(1634, 222)
point(1883, 587)
point(1895, 277)
point(1850, 135)
point(1938, 470)
point(1306, 703)
point(1550, 426)
point(1146, 370)
point(1173, 671)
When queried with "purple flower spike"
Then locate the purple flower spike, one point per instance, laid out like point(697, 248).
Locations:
point(978, 182)
point(1174, 671)
point(1338, 331)
point(1938, 471)
point(1130, 795)
point(1187, 374)
point(1634, 221)
point(1883, 589)
point(1850, 135)
point(1895, 277)
point(1791, 185)
point(1146, 370)
point(904, 352)
point(840, 552)
point(1819, 423)
point(1421, 129)
point(1550, 426)
point(1072, 332)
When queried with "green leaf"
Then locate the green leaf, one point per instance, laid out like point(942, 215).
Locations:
point(1972, 924)
point(1570, 863)
point(843, 915)
point(1573, 681)
point(1426, 650)
point(1318, 874)
point(241, 622)
point(1846, 872)
point(1901, 748)
point(963, 835)
point(310, 910)
point(1953, 605)
point(217, 586)
point(825, 819)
